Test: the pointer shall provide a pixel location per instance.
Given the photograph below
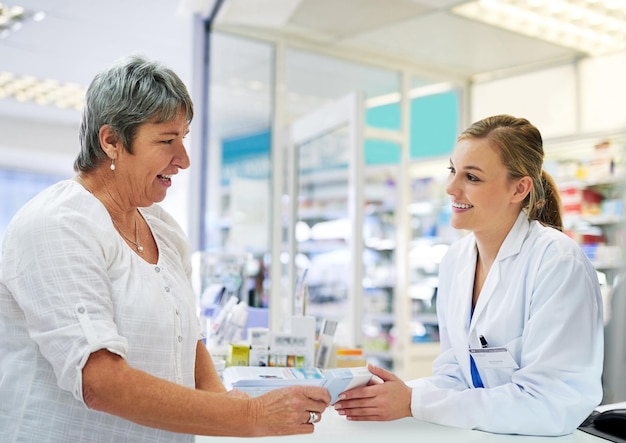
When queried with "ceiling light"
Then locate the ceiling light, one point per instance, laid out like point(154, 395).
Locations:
point(42, 92)
point(382, 100)
point(12, 18)
point(591, 26)
point(420, 91)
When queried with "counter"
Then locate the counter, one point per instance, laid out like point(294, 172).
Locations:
point(335, 428)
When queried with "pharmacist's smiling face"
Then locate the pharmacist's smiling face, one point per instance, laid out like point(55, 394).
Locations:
point(483, 195)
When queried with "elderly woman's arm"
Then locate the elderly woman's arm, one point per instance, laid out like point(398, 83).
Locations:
point(110, 385)
point(207, 377)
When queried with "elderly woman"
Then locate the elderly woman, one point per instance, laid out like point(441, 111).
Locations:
point(99, 339)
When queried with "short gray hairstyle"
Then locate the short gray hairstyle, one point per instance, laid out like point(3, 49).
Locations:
point(131, 92)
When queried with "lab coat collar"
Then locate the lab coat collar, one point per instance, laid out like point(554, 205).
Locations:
point(515, 238)
point(511, 246)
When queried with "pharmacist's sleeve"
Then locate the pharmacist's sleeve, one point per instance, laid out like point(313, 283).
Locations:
point(446, 371)
point(559, 380)
point(54, 265)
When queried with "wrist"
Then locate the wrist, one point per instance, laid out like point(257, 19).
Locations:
point(409, 411)
point(253, 413)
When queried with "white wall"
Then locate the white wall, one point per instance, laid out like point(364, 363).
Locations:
point(38, 146)
point(547, 98)
point(582, 98)
point(603, 93)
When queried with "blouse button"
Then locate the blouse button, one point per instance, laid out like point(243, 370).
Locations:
point(81, 310)
point(167, 289)
point(157, 269)
point(180, 339)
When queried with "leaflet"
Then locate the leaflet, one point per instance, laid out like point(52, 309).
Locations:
point(237, 377)
point(257, 380)
point(342, 379)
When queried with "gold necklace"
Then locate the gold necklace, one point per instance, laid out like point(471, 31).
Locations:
point(136, 241)
point(79, 179)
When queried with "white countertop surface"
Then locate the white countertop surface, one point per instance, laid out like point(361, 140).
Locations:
point(335, 428)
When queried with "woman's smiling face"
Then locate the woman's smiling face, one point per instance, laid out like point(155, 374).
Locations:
point(484, 198)
point(158, 154)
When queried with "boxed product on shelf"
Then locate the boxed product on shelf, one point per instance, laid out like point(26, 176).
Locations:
point(578, 200)
point(602, 163)
point(349, 358)
point(612, 207)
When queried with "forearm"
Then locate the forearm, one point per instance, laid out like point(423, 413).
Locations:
point(111, 386)
point(206, 376)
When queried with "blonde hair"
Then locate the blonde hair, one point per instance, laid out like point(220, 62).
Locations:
point(521, 149)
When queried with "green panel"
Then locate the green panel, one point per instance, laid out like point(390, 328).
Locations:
point(434, 125)
point(384, 117)
point(381, 152)
point(249, 145)
point(246, 156)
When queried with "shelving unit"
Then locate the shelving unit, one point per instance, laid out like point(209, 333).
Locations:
point(591, 174)
point(379, 280)
point(328, 258)
point(342, 225)
point(431, 234)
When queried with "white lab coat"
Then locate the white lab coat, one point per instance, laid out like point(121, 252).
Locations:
point(541, 300)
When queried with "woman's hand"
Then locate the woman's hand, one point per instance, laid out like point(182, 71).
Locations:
point(237, 394)
point(289, 410)
point(389, 400)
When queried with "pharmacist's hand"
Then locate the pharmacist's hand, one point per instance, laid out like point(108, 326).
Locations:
point(378, 401)
point(288, 410)
point(237, 394)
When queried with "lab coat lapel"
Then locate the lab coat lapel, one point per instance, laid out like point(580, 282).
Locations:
point(489, 287)
point(511, 246)
point(459, 320)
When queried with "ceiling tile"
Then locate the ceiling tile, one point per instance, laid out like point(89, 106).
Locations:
point(343, 18)
point(461, 46)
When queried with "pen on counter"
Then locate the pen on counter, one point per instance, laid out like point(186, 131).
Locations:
point(219, 298)
point(304, 300)
point(301, 294)
point(483, 341)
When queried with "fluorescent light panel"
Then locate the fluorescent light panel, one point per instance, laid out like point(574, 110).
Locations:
point(43, 92)
point(592, 26)
point(12, 18)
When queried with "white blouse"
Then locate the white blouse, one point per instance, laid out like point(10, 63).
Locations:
point(69, 286)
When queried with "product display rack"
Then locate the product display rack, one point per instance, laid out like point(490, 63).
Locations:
point(326, 255)
point(590, 172)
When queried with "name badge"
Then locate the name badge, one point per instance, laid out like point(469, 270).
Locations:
point(493, 358)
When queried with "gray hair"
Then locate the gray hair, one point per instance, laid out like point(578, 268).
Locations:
point(133, 91)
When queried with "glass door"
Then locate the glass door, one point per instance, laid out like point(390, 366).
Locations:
point(325, 220)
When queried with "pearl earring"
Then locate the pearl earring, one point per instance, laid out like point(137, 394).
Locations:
point(112, 164)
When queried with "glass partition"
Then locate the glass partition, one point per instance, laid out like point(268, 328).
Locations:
point(259, 88)
point(237, 158)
